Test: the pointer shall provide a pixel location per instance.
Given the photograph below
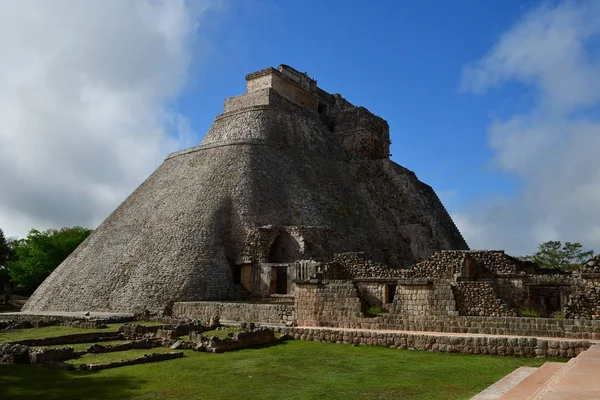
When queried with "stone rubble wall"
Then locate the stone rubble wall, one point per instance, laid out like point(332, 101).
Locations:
point(501, 346)
point(239, 340)
point(48, 356)
point(592, 266)
point(279, 313)
point(357, 265)
point(14, 353)
point(479, 298)
point(584, 304)
point(433, 299)
point(332, 302)
point(447, 264)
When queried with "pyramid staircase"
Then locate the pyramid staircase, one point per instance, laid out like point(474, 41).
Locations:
point(577, 379)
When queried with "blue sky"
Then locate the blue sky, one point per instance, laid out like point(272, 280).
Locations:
point(495, 104)
point(402, 60)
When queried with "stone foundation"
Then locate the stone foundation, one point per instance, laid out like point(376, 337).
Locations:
point(279, 313)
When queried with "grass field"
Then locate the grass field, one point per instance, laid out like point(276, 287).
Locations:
point(290, 370)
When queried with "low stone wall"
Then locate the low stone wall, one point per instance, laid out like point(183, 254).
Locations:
point(147, 358)
point(136, 344)
point(235, 311)
point(239, 340)
point(71, 339)
point(83, 324)
point(479, 298)
point(518, 326)
point(135, 331)
point(36, 321)
point(330, 302)
point(12, 353)
point(501, 346)
point(48, 356)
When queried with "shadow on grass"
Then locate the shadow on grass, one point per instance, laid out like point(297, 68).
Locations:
point(29, 381)
point(258, 346)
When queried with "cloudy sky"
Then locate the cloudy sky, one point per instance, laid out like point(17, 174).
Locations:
point(495, 104)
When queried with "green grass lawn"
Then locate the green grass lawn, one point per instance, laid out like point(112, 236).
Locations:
point(290, 370)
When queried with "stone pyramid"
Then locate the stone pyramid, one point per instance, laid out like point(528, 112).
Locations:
point(286, 177)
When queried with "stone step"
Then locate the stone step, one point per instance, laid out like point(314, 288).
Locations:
point(505, 384)
point(579, 379)
point(532, 383)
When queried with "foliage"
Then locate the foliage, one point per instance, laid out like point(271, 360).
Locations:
point(530, 313)
point(36, 256)
point(370, 310)
point(291, 370)
point(5, 249)
point(6, 254)
point(559, 315)
point(555, 255)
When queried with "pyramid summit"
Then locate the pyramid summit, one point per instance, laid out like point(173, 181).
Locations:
point(288, 177)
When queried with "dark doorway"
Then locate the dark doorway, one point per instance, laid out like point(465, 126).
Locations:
point(322, 108)
point(237, 274)
point(390, 293)
point(281, 280)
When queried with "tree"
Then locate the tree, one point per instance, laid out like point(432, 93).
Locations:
point(36, 256)
point(4, 249)
point(555, 255)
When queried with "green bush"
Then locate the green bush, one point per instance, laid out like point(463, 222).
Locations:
point(530, 313)
point(370, 310)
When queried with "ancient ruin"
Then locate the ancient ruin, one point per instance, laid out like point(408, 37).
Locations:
point(291, 215)
point(291, 212)
point(286, 178)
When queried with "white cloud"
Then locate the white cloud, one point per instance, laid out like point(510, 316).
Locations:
point(85, 88)
point(553, 148)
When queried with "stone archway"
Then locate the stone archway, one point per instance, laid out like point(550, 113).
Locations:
point(285, 249)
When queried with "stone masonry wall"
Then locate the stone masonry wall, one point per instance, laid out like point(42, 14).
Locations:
point(501, 346)
point(480, 298)
point(518, 326)
point(232, 311)
point(584, 304)
point(320, 304)
point(434, 299)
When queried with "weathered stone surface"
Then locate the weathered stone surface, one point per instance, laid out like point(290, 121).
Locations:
point(584, 304)
point(238, 340)
point(279, 158)
point(235, 311)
